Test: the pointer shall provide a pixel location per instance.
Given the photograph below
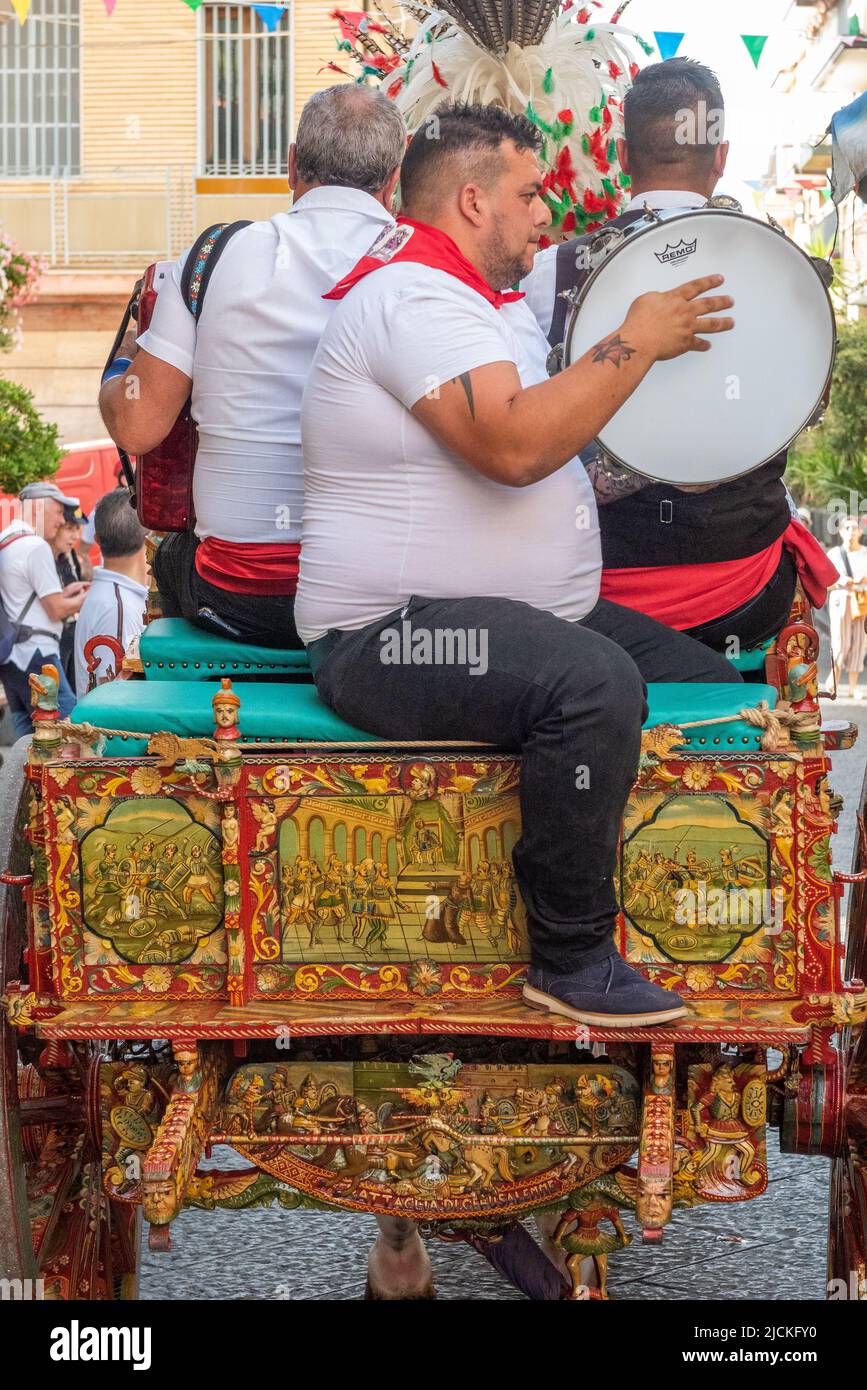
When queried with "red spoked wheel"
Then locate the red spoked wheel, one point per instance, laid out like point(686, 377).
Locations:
point(847, 1236)
point(57, 1224)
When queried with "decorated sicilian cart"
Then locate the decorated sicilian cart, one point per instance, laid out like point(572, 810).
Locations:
point(232, 920)
point(234, 925)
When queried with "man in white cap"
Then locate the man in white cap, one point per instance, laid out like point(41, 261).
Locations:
point(35, 600)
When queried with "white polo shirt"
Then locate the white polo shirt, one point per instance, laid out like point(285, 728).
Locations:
point(27, 567)
point(249, 355)
point(390, 512)
point(114, 607)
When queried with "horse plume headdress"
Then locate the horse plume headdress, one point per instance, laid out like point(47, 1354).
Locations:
point(567, 75)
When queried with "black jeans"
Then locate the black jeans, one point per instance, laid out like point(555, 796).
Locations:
point(570, 697)
point(267, 620)
point(761, 617)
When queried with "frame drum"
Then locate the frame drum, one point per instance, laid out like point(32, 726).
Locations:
point(706, 417)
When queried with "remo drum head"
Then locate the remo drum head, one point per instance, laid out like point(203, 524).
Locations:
point(706, 417)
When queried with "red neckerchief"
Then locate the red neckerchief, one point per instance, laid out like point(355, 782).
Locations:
point(424, 245)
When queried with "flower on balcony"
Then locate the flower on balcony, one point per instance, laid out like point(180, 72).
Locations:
point(20, 274)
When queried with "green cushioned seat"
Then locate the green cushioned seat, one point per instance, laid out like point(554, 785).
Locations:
point(279, 711)
point(754, 659)
point(174, 650)
point(273, 711)
point(684, 702)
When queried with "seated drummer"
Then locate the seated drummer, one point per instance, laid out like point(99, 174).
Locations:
point(450, 563)
point(246, 360)
point(721, 563)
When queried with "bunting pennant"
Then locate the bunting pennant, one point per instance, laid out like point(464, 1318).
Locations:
point(193, 4)
point(754, 45)
point(109, 7)
point(21, 8)
point(668, 44)
point(270, 15)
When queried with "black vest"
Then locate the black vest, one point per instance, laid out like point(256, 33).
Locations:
point(660, 525)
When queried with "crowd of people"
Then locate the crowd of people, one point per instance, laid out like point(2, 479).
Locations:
point(379, 442)
point(68, 613)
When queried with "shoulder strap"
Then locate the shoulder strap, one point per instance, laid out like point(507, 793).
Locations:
point(201, 262)
point(567, 277)
point(32, 599)
point(847, 564)
point(118, 598)
point(17, 537)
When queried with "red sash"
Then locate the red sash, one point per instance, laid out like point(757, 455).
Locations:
point(244, 567)
point(424, 245)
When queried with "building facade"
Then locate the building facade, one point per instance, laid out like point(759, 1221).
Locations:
point(820, 55)
point(121, 138)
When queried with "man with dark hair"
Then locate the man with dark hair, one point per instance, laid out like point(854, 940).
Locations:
point(113, 612)
point(450, 558)
point(243, 362)
point(719, 563)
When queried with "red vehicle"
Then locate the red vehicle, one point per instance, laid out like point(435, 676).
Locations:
point(87, 471)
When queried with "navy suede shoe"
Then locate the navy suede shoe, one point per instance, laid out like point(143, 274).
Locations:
point(608, 992)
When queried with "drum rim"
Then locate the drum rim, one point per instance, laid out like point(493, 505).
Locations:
point(670, 215)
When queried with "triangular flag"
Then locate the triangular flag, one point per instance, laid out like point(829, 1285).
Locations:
point(270, 15)
point(22, 9)
point(755, 43)
point(349, 21)
point(193, 4)
point(109, 7)
point(668, 44)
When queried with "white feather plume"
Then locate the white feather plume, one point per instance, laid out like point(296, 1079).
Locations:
point(579, 76)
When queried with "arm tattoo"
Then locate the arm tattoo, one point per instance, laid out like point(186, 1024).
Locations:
point(611, 480)
point(467, 384)
point(612, 349)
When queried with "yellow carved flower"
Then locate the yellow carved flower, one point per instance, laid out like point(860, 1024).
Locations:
point(147, 781)
point(696, 776)
point(699, 978)
point(782, 769)
point(157, 979)
point(268, 979)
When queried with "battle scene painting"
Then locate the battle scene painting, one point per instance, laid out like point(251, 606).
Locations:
point(152, 881)
point(696, 879)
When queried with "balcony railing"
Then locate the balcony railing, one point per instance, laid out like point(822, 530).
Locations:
point(105, 218)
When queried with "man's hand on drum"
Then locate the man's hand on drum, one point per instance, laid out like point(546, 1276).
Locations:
point(518, 435)
point(666, 324)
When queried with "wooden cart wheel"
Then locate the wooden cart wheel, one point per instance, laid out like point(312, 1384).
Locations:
point(57, 1224)
point(847, 1236)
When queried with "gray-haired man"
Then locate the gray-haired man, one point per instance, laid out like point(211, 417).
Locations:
point(245, 362)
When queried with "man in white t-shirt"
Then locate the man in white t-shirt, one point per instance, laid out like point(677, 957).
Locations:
point(450, 558)
point(34, 597)
point(244, 363)
point(114, 611)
